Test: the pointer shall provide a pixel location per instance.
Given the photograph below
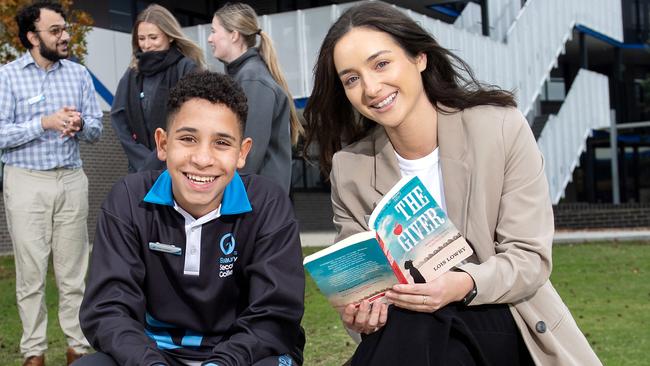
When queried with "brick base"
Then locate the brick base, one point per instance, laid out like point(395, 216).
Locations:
point(579, 216)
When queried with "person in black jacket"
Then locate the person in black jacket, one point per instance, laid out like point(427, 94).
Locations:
point(196, 265)
point(272, 120)
point(161, 56)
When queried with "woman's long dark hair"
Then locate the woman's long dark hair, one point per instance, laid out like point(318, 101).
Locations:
point(447, 79)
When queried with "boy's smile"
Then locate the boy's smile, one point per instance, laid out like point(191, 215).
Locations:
point(203, 147)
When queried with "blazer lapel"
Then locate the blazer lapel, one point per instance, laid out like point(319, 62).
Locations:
point(455, 171)
point(387, 172)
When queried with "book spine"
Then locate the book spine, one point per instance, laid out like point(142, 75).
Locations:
point(398, 272)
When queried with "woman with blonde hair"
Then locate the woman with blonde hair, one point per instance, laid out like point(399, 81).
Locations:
point(162, 55)
point(272, 121)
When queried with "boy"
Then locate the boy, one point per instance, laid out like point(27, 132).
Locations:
point(196, 265)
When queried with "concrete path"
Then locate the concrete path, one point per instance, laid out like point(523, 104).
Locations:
point(563, 237)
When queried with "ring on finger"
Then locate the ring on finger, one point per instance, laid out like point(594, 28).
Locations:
point(424, 300)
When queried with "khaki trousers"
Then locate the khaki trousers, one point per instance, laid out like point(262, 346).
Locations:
point(47, 212)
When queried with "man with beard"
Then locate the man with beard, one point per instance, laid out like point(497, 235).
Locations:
point(47, 105)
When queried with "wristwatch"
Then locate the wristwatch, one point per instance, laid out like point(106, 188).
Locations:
point(470, 296)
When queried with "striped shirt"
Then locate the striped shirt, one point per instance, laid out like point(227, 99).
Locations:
point(28, 93)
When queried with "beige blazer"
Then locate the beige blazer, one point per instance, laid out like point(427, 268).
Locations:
point(497, 195)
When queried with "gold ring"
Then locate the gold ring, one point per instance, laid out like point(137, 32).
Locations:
point(424, 300)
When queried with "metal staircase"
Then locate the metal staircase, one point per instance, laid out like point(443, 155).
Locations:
point(563, 140)
point(519, 60)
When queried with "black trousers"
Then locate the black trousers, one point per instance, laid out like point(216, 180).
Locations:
point(454, 335)
point(103, 359)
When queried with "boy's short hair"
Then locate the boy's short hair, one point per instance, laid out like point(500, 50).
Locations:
point(211, 86)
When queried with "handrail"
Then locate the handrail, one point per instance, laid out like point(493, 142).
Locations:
point(563, 139)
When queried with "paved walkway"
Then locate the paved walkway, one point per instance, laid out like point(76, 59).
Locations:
point(325, 238)
point(562, 237)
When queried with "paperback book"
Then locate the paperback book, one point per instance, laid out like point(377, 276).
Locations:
point(411, 241)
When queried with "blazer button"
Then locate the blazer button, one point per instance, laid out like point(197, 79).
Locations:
point(540, 326)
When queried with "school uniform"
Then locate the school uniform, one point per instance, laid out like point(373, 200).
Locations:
point(226, 288)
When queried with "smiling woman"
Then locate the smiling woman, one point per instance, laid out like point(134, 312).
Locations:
point(162, 55)
point(389, 101)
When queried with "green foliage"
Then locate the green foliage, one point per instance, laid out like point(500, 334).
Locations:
point(10, 46)
point(606, 286)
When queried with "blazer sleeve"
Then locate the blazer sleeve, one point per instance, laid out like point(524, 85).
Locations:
point(524, 229)
point(344, 220)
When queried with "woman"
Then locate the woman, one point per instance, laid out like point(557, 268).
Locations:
point(402, 105)
point(272, 121)
point(161, 56)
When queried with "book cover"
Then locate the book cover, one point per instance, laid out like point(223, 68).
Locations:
point(352, 270)
point(412, 240)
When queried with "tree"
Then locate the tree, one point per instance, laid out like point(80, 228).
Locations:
point(10, 47)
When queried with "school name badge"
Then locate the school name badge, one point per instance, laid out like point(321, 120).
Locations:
point(229, 255)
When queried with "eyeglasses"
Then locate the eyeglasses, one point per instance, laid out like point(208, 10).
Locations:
point(57, 30)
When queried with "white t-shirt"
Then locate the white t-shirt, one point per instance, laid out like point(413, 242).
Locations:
point(428, 170)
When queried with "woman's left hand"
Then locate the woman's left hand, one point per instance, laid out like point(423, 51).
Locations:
point(429, 297)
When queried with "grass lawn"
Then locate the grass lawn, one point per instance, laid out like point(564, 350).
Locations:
point(606, 286)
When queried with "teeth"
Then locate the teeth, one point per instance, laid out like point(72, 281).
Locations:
point(199, 179)
point(386, 101)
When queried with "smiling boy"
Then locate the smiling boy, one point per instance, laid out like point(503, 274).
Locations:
point(196, 265)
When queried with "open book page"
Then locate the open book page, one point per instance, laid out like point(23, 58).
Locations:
point(415, 232)
point(351, 270)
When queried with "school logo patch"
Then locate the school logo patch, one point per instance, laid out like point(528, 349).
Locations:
point(227, 261)
point(227, 244)
point(285, 360)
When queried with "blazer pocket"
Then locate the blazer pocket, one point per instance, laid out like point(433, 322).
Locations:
point(544, 306)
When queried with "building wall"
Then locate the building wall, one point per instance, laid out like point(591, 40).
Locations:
point(582, 216)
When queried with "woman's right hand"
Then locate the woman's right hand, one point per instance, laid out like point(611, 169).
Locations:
point(366, 318)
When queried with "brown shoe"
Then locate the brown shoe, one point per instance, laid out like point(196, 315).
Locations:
point(71, 356)
point(34, 361)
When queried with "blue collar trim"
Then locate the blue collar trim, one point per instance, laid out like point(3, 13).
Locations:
point(235, 199)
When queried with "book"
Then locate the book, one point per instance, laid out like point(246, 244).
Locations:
point(411, 241)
